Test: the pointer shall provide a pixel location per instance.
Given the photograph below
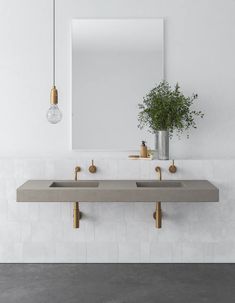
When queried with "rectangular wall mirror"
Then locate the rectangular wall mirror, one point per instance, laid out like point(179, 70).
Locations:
point(115, 62)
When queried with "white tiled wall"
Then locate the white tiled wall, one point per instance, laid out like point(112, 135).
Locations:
point(116, 232)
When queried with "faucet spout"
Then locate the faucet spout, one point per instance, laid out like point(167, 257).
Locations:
point(159, 171)
point(77, 170)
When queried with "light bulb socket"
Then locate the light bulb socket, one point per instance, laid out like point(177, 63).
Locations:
point(54, 96)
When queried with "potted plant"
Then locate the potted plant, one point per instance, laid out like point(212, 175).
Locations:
point(165, 110)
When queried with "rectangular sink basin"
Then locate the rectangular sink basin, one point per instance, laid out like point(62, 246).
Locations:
point(158, 184)
point(70, 184)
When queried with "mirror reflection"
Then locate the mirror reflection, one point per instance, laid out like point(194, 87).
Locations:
point(115, 62)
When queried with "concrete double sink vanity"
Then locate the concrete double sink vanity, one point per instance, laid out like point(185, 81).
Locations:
point(118, 191)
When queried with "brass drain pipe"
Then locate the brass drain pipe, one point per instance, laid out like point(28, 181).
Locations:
point(158, 211)
point(158, 215)
point(76, 212)
point(76, 215)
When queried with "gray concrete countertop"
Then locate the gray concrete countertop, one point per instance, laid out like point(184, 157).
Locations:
point(117, 191)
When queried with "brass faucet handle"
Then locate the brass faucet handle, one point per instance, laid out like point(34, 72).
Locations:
point(92, 168)
point(173, 168)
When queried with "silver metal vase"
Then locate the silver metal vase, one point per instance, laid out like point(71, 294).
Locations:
point(162, 144)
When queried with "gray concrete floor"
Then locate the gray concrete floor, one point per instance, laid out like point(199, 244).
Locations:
point(117, 283)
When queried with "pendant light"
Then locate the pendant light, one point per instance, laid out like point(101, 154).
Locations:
point(54, 115)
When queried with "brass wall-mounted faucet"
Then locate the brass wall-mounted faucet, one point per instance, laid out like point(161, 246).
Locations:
point(159, 171)
point(157, 215)
point(77, 215)
point(92, 168)
point(77, 170)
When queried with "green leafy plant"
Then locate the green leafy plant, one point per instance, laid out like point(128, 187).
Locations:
point(164, 108)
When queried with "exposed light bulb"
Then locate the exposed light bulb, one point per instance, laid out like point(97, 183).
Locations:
point(54, 115)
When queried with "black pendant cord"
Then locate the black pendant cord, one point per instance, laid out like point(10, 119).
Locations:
point(54, 42)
